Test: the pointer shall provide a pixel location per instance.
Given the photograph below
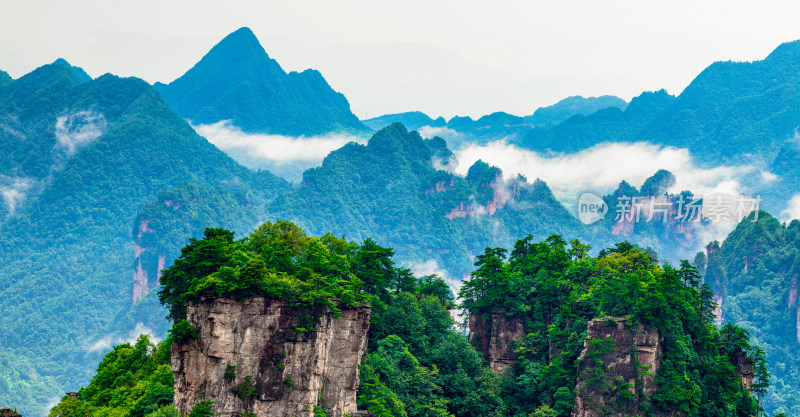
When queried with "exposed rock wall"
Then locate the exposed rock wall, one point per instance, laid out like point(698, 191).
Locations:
point(745, 370)
point(295, 359)
point(146, 270)
point(617, 368)
point(494, 334)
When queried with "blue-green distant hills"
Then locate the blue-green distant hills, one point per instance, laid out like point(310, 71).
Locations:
point(500, 124)
point(238, 81)
point(103, 181)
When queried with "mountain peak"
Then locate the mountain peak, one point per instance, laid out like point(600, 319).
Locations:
point(78, 71)
point(241, 40)
point(237, 81)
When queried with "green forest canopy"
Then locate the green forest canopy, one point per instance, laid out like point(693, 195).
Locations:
point(418, 363)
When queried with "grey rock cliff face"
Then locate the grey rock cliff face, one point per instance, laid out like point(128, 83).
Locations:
point(287, 360)
point(628, 358)
point(494, 334)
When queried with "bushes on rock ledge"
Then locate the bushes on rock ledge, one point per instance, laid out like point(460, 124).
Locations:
point(279, 261)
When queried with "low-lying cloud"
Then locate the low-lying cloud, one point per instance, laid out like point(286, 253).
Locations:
point(442, 132)
point(601, 168)
point(792, 211)
point(431, 267)
point(78, 129)
point(15, 191)
point(105, 343)
point(273, 152)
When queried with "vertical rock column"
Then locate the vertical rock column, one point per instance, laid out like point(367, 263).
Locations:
point(287, 360)
point(617, 368)
point(494, 334)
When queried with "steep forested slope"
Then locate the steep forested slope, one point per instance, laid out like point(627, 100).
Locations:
point(238, 81)
point(89, 155)
point(754, 274)
point(390, 189)
point(732, 111)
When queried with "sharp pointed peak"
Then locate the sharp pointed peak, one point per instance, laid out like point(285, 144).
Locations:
point(240, 38)
point(243, 31)
point(78, 71)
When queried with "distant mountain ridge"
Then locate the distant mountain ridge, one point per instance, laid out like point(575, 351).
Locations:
point(412, 120)
point(571, 106)
point(604, 126)
point(499, 124)
point(238, 81)
point(103, 172)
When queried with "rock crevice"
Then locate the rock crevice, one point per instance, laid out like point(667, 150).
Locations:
point(495, 335)
point(617, 368)
point(262, 357)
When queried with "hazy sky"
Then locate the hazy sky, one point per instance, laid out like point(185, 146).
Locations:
point(443, 58)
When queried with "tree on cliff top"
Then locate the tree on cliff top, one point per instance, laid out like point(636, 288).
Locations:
point(555, 289)
point(280, 261)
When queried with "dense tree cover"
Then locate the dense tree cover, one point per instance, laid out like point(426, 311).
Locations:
point(731, 110)
point(417, 362)
point(277, 260)
point(68, 241)
point(396, 188)
point(132, 380)
point(74, 244)
point(555, 288)
point(391, 189)
point(740, 112)
point(238, 81)
point(754, 275)
point(5, 78)
point(67, 248)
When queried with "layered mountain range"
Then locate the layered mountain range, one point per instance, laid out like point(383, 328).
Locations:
point(104, 180)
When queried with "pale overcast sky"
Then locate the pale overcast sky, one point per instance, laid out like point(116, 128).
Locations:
point(443, 58)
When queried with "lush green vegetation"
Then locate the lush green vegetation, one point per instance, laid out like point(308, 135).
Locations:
point(556, 288)
point(418, 364)
point(734, 112)
point(410, 320)
point(132, 380)
point(68, 247)
point(754, 273)
point(277, 260)
point(391, 189)
point(238, 81)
